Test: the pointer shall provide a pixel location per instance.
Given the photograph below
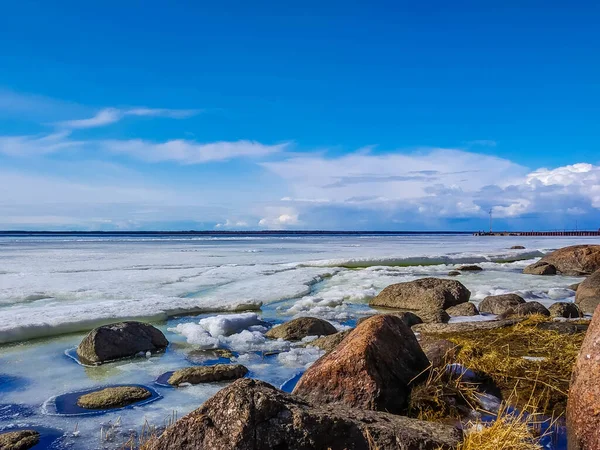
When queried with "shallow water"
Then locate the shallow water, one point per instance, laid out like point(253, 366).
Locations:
point(53, 286)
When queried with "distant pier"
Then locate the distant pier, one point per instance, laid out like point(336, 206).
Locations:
point(538, 233)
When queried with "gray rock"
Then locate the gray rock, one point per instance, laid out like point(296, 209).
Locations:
point(207, 374)
point(19, 440)
point(253, 415)
point(499, 304)
point(439, 351)
point(471, 268)
point(588, 293)
point(298, 329)
point(328, 343)
point(453, 273)
point(464, 309)
point(425, 293)
point(462, 327)
point(565, 309)
point(527, 309)
point(434, 316)
point(574, 287)
point(517, 247)
point(120, 340)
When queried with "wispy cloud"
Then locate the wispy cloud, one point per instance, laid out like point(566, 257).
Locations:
point(37, 144)
point(108, 116)
point(191, 152)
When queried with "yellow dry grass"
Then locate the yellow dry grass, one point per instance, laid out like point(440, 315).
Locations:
point(504, 356)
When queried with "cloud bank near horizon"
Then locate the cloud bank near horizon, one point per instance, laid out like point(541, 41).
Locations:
point(112, 183)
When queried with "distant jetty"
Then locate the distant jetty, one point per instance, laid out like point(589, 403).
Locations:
point(538, 233)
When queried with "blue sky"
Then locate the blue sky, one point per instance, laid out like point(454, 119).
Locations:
point(313, 115)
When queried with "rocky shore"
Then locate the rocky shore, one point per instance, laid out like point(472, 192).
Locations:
point(405, 378)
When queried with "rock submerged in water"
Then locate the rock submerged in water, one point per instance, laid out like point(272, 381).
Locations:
point(298, 329)
point(113, 397)
point(251, 414)
point(120, 340)
point(588, 293)
point(583, 405)
point(540, 268)
point(464, 309)
point(575, 260)
point(517, 247)
point(565, 309)
point(19, 440)
point(453, 273)
point(500, 304)
point(425, 293)
point(372, 368)
point(471, 268)
point(207, 374)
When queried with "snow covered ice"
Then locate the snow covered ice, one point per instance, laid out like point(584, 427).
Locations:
point(212, 292)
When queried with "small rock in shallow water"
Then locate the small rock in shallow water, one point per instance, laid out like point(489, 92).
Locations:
point(540, 268)
point(470, 268)
point(19, 440)
point(453, 273)
point(207, 374)
point(298, 329)
point(120, 340)
point(517, 247)
point(113, 397)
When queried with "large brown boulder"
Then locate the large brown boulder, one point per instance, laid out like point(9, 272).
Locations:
point(583, 406)
point(253, 415)
point(298, 329)
point(575, 260)
point(19, 440)
point(500, 304)
point(588, 293)
point(425, 293)
point(120, 340)
point(207, 374)
point(372, 368)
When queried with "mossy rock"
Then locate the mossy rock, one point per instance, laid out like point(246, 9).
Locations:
point(207, 374)
point(19, 440)
point(113, 397)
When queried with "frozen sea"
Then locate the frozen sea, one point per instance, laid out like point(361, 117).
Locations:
point(205, 292)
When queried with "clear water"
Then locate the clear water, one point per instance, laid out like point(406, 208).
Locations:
point(54, 289)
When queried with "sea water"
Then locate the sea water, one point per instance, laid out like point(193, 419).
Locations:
point(205, 292)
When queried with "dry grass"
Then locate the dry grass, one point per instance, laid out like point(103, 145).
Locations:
point(510, 431)
point(498, 355)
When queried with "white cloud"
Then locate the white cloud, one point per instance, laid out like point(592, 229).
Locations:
point(279, 218)
point(190, 152)
point(232, 224)
point(37, 145)
point(108, 116)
